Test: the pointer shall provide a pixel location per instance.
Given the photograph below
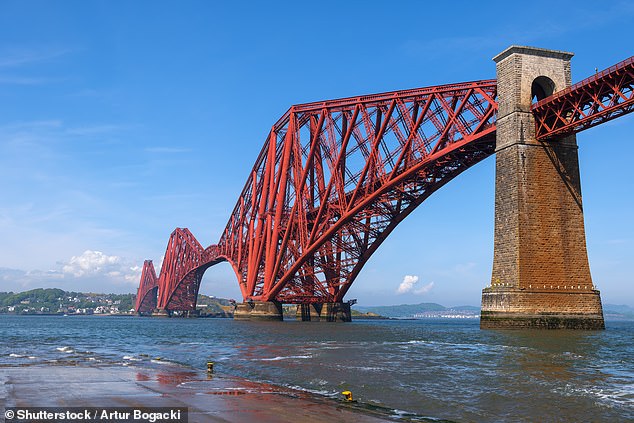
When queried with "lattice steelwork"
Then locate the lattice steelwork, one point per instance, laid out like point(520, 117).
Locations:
point(334, 178)
point(184, 264)
point(146, 295)
point(597, 99)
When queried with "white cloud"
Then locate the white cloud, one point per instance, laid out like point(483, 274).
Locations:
point(95, 129)
point(19, 57)
point(89, 263)
point(424, 289)
point(20, 280)
point(92, 271)
point(408, 286)
point(96, 263)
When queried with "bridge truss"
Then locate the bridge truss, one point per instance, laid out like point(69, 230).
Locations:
point(595, 100)
point(146, 295)
point(334, 178)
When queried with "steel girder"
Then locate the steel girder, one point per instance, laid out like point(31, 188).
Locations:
point(597, 99)
point(183, 266)
point(334, 178)
point(146, 295)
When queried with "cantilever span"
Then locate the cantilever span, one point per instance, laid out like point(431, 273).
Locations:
point(146, 295)
point(334, 178)
point(184, 264)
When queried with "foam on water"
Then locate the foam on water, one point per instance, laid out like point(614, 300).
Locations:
point(164, 362)
point(607, 396)
point(288, 357)
point(322, 392)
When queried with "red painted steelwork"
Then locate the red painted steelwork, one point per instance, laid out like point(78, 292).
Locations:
point(184, 263)
point(334, 178)
point(597, 99)
point(146, 295)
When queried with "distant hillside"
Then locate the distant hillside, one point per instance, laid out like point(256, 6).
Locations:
point(209, 306)
point(420, 310)
point(409, 311)
point(57, 301)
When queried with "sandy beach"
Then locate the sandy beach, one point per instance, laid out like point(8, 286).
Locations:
point(208, 398)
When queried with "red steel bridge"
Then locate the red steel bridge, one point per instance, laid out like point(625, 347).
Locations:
point(335, 177)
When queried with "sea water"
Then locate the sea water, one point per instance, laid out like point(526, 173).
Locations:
point(409, 369)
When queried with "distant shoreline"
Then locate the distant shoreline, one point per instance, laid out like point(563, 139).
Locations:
point(607, 317)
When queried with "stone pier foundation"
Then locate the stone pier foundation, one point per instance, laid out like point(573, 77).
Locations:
point(309, 312)
point(512, 308)
point(259, 311)
point(191, 314)
point(335, 312)
point(160, 312)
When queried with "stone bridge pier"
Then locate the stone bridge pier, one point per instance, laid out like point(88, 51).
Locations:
point(541, 276)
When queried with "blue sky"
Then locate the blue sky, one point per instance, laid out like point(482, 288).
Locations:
point(120, 121)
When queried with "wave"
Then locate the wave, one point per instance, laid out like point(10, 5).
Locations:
point(288, 357)
point(29, 357)
point(610, 396)
point(67, 350)
point(322, 392)
point(163, 361)
point(362, 368)
point(473, 346)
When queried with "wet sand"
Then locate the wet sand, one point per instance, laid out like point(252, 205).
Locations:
point(208, 398)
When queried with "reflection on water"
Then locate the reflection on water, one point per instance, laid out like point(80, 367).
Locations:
point(445, 369)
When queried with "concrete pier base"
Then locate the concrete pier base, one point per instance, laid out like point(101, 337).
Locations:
point(259, 310)
point(309, 312)
point(160, 312)
point(335, 312)
point(513, 308)
point(191, 314)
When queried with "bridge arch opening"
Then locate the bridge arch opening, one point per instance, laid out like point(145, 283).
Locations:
point(541, 88)
point(219, 281)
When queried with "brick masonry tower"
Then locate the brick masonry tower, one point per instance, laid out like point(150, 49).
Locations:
point(541, 276)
